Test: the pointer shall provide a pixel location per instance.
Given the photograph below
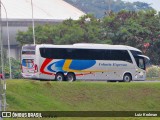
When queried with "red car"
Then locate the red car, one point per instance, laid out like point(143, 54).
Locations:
point(1, 76)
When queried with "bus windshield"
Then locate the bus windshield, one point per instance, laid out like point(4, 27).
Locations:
point(139, 58)
point(140, 62)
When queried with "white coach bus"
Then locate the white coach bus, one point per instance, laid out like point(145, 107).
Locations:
point(83, 62)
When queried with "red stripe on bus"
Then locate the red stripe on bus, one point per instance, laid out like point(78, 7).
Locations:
point(45, 63)
point(83, 74)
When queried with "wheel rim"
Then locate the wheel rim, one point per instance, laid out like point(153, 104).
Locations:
point(70, 78)
point(127, 78)
point(59, 78)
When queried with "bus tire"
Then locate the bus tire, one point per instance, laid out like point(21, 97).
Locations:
point(70, 77)
point(59, 77)
point(127, 77)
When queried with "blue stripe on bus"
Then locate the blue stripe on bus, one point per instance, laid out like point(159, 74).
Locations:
point(81, 64)
point(75, 65)
point(57, 66)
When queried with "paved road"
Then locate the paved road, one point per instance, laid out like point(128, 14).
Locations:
point(116, 81)
point(148, 81)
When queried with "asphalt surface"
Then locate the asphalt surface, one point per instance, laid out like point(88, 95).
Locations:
point(145, 81)
point(148, 81)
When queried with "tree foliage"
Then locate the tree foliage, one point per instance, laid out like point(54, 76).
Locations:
point(86, 29)
point(138, 29)
point(15, 66)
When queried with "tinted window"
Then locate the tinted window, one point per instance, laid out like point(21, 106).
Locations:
point(29, 47)
point(120, 55)
point(136, 53)
point(53, 53)
point(85, 54)
point(28, 52)
point(79, 54)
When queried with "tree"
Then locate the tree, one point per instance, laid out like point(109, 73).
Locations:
point(16, 71)
point(138, 29)
point(86, 29)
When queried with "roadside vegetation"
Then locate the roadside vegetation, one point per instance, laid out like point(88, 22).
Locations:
point(32, 95)
point(15, 66)
point(153, 73)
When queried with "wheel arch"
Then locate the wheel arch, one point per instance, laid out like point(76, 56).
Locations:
point(60, 72)
point(71, 72)
point(127, 72)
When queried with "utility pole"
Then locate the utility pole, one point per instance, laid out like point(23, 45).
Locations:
point(1, 86)
point(1, 41)
point(9, 49)
point(1, 97)
point(33, 26)
point(2, 79)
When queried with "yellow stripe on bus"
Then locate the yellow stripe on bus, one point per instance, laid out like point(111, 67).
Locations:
point(68, 63)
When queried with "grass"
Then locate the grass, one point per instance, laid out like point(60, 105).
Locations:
point(31, 95)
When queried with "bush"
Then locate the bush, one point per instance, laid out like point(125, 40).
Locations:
point(153, 71)
point(15, 66)
point(16, 69)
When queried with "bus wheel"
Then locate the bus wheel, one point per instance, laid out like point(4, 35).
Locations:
point(70, 77)
point(59, 77)
point(127, 77)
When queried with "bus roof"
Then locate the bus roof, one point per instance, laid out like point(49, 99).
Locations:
point(106, 46)
point(89, 46)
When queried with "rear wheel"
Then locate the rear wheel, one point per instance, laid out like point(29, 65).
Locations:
point(70, 77)
point(127, 78)
point(59, 77)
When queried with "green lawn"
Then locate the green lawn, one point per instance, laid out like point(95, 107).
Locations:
point(32, 95)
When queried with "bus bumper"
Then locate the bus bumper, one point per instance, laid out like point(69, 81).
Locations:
point(30, 76)
point(140, 77)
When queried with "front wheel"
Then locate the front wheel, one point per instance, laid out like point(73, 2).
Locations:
point(59, 77)
point(127, 78)
point(70, 77)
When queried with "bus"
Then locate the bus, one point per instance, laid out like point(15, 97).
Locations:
point(83, 61)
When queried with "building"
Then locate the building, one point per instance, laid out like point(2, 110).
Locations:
point(19, 14)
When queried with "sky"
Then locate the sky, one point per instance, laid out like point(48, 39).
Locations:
point(154, 3)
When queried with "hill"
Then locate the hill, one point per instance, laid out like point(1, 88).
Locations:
point(153, 3)
point(29, 95)
point(100, 7)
